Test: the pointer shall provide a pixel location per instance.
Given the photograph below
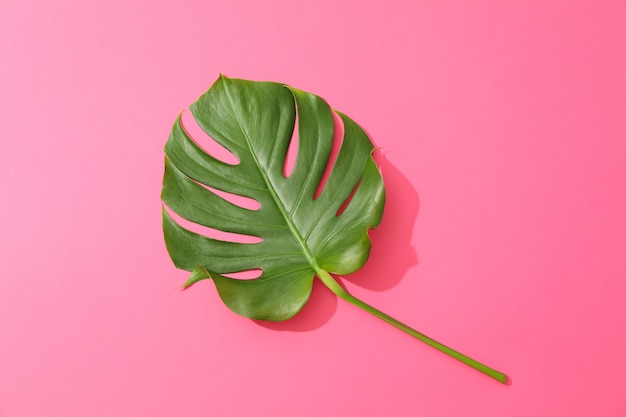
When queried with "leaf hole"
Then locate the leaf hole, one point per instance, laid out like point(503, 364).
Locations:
point(244, 275)
point(348, 200)
point(235, 199)
point(209, 145)
point(292, 150)
point(211, 232)
point(334, 151)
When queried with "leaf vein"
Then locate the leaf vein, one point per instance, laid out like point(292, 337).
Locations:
point(296, 234)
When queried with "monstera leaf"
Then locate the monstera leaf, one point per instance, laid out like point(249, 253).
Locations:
point(306, 225)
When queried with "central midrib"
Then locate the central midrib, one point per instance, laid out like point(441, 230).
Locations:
point(292, 227)
point(283, 210)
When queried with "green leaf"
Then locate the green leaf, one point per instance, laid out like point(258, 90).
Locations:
point(304, 232)
point(301, 235)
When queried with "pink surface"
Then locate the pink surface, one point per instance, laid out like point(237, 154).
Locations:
point(503, 128)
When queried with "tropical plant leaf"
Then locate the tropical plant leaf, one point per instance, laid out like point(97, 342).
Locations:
point(300, 234)
point(303, 232)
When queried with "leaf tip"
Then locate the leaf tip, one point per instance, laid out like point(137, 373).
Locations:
point(198, 274)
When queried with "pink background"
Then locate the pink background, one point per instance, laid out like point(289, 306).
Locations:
point(503, 126)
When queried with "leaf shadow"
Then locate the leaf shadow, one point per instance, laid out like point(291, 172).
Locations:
point(390, 258)
point(392, 254)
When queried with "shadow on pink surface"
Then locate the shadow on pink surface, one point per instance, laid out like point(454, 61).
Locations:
point(391, 256)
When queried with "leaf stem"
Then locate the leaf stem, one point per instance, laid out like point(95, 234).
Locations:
point(334, 286)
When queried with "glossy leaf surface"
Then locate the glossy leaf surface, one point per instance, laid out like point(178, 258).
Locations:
point(301, 235)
